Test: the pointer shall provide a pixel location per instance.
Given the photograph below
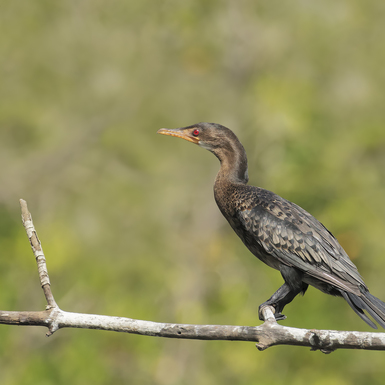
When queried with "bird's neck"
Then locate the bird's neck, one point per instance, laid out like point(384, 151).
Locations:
point(231, 175)
point(233, 164)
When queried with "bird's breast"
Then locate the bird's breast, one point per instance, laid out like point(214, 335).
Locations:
point(249, 239)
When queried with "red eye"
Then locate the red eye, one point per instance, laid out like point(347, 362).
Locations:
point(196, 132)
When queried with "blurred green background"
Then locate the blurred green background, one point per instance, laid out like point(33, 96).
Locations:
point(127, 218)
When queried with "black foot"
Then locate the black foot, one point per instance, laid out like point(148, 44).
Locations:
point(278, 316)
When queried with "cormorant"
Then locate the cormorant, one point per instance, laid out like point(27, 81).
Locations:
point(280, 233)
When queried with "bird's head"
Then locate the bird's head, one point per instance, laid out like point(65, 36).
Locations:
point(210, 136)
point(218, 139)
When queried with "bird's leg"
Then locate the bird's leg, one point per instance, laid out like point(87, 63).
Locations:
point(278, 300)
point(284, 295)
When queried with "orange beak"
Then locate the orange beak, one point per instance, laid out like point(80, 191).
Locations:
point(184, 134)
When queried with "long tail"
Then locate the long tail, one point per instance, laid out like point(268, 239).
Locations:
point(368, 302)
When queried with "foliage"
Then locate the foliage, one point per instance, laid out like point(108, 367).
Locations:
point(127, 218)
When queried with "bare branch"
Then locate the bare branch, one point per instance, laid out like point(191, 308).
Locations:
point(38, 252)
point(270, 333)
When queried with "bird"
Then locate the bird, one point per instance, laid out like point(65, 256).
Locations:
point(280, 233)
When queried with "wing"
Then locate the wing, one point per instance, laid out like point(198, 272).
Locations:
point(295, 238)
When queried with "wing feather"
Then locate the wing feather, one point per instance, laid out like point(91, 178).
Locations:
point(292, 236)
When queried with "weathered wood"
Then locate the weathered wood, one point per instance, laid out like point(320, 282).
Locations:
point(270, 333)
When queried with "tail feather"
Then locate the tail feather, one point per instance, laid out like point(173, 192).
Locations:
point(368, 302)
point(375, 307)
point(358, 310)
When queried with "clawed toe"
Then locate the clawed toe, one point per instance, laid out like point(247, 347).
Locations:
point(279, 317)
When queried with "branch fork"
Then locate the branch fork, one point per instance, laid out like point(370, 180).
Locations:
point(268, 334)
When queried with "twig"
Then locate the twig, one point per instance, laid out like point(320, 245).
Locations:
point(38, 252)
point(270, 333)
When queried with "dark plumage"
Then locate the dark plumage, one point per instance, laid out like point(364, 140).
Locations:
point(280, 233)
